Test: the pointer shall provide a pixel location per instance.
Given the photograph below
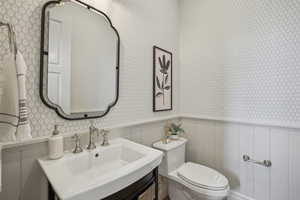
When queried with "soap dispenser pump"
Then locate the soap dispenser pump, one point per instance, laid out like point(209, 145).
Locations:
point(56, 145)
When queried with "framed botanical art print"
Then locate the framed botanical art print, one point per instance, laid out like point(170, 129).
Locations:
point(162, 79)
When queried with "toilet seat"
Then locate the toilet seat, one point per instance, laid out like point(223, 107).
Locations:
point(202, 177)
point(204, 193)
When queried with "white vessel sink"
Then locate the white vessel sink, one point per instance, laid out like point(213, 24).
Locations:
point(101, 172)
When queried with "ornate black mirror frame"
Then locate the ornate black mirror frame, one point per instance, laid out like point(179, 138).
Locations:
point(43, 61)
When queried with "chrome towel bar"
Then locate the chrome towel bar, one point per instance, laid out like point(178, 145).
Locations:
point(265, 163)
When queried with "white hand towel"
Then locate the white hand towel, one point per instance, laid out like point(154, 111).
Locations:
point(9, 107)
point(23, 130)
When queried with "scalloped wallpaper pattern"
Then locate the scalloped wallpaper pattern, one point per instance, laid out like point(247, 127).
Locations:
point(135, 21)
point(248, 50)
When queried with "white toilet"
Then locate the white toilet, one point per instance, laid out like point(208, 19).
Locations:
point(187, 180)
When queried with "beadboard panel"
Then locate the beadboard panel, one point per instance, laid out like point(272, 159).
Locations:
point(261, 174)
point(294, 165)
point(279, 150)
point(228, 153)
point(11, 175)
point(33, 178)
point(23, 178)
point(232, 140)
point(204, 151)
point(246, 170)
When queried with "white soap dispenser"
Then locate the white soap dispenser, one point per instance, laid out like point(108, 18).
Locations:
point(56, 144)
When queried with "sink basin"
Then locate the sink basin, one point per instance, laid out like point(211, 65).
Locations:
point(100, 172)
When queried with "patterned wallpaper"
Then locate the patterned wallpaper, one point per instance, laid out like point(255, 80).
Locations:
point(141, 25)
point(242, 59)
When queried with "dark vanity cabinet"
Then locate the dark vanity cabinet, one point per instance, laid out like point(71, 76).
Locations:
point(131, 192)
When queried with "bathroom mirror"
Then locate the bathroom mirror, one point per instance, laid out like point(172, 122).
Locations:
point(80, 50)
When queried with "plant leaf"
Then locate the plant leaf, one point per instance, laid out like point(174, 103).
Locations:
point(163, 84)
point(166, 79)
point(167, 87)
point(164, 61)
point(157, 82)
point(168, 65)
point(160, 62)
point(158, 94)
point(176, 128)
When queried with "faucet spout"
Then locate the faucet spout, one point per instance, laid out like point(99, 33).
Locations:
point(92, 130)
point(78, 148)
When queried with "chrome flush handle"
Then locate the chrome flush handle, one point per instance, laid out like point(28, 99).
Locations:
point(265, 163)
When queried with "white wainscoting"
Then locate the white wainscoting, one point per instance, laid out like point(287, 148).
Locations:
point(221, 145)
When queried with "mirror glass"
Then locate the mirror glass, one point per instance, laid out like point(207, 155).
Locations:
point(80, 60)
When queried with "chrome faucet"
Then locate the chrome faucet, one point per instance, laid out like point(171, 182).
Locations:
point(78, 148)
point(104, 134)
point(93, 130)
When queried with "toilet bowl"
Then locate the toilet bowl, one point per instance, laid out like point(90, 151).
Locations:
point(206, 184)
point(188, 180)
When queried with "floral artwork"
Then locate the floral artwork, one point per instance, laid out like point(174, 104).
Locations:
point(162, 83)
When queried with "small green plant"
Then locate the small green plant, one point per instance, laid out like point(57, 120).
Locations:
point(176, 129)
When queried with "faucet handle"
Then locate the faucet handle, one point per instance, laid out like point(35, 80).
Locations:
point(104, 134)
point(92, 127)
point(78, 148)
point(58, 124)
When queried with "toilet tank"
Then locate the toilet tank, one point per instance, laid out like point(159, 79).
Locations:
point(174, 155)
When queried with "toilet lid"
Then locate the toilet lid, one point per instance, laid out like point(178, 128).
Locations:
point(201, 176)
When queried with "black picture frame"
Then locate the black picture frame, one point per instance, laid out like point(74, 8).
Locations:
point(166, 82)
point(43, 68)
